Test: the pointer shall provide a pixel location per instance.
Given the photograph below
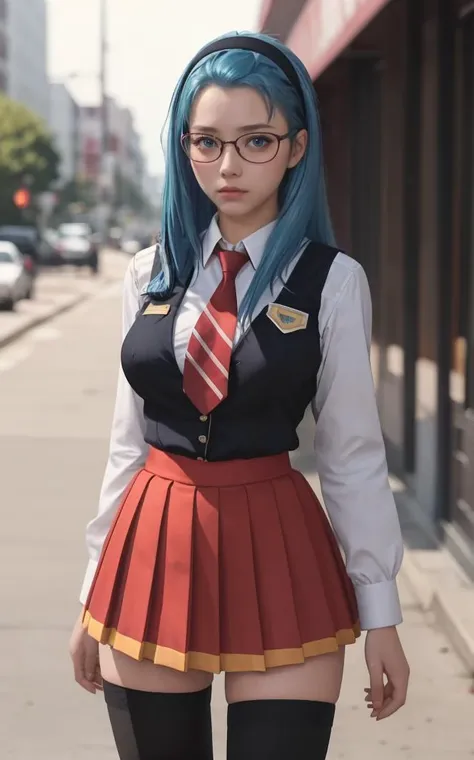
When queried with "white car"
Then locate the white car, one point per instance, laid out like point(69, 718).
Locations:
point(16, 282)
point(76, 245)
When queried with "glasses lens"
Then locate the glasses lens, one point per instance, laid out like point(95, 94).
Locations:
point(202, 148)
point(258, 148)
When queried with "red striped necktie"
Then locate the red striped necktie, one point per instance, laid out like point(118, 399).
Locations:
point(206, 367)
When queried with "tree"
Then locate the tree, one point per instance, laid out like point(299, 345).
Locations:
point(27, 158)
point(128, 194)
point(75, 198)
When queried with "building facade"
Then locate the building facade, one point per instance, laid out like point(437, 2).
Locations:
point(152, 190)
point(27, 79)
point(123, 170)
point(3, 46)
point(395, 83)
point(64, 124)
point(90, 143)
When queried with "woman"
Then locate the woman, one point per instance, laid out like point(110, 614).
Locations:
point(209, 552)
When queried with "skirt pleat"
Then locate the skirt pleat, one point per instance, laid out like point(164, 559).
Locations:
point(175, 553)
point(134, 610)
point(240, 627)
point(108, 585)
point(279, 629)
point(221, 566)
point(204, 637)
point(326, 548)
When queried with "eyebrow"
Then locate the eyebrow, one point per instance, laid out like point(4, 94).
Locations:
point(246, 128)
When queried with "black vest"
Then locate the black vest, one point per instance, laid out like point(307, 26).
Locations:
point(272, 376)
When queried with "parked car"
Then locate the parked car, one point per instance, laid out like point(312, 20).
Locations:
point(26, 231)
point(77, 245)
point(26, 240)
point(16, 275)
point(132, 242)
point(47, 251)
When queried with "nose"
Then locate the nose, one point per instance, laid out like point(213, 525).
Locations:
point(231, 163)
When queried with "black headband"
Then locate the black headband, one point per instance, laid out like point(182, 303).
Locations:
point(242, 42)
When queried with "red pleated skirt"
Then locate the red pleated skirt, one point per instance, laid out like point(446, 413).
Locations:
point(221, 566)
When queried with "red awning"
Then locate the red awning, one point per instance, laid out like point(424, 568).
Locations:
point(325, 27)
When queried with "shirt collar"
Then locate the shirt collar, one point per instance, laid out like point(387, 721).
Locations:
point(254, 244)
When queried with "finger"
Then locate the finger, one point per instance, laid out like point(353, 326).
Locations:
point(396, 700)
point(80, 675)
point(98, 680)
point(91, 663)
point(83, 681)
point(376, 684)
point(386, 700)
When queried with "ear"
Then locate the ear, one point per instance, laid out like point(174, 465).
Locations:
point(298, 148)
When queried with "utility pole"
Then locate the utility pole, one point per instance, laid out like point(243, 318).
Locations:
point(103, 73)
point(103, 107)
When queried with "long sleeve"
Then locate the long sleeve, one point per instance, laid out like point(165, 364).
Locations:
point(350, 450)
point(127, 449)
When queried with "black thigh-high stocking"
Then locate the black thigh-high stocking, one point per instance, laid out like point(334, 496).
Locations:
point(279, 729)
point(156, 726)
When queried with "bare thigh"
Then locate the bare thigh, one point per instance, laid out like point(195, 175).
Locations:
point(119, 669)
point(318, 678)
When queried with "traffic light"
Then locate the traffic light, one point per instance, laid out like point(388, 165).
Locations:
point(22, 198)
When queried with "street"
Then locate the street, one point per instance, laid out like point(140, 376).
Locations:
point(57, 387)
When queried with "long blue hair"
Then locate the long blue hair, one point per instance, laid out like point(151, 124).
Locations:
point(187, 211)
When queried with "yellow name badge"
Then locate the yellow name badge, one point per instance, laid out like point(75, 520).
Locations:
point(157, 308)
point(287, 320)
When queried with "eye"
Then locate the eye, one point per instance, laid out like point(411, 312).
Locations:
point(205, 142)
point(259, 142)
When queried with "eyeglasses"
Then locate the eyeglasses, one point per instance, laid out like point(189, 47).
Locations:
point(257, 148)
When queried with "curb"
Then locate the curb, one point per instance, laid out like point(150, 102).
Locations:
point(40, 319)
point(449, 607)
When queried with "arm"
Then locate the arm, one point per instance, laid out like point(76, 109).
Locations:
point(127, 451)
point(351, 453)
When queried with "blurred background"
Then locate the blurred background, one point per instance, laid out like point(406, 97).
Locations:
point(84, 92)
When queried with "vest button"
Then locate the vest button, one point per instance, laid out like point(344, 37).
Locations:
point(202, 439)
point(204, 418)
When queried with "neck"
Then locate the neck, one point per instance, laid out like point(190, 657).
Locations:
point(234, 229)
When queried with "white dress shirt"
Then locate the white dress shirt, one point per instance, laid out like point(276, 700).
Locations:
point(349, 448)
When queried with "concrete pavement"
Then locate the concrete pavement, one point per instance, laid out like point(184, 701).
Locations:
point(57, 386)
point(56, 290)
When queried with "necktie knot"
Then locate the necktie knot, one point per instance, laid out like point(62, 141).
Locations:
point(232, 262)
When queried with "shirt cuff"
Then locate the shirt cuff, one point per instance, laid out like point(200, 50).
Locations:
point(89, 577)
point(379, 605)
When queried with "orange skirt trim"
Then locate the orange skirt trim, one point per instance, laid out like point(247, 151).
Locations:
point(230, 663)
point(221, 566)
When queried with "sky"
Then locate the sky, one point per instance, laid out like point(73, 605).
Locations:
point(150, 43)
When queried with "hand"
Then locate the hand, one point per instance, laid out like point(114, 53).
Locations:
point(84, 651)
point(384, 655)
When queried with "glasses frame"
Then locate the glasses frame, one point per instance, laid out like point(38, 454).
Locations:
point(223, 143)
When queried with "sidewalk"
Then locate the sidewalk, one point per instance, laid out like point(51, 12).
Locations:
point(58, 290)
point(438, 585)
point(441, 589)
